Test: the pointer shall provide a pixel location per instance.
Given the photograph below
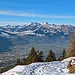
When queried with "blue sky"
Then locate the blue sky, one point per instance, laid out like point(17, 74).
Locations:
point(24, 11)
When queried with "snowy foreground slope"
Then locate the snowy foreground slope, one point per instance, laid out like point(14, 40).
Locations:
point(46, 68)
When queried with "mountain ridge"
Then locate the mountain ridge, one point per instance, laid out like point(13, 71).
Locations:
point(23, 37)
point(40, 29)
point(16, 41)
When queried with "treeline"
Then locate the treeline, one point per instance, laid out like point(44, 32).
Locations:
point(37, 56)
point(6, 68)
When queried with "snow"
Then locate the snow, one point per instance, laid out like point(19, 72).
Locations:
point(32, 27)
point(4, 34)
point(45, 68)
point(22, 33)
point(40, 34)
point(73, 62)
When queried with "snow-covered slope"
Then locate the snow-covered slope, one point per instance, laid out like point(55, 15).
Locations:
point(46, 68)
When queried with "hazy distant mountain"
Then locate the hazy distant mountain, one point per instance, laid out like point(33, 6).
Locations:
point(33, 33)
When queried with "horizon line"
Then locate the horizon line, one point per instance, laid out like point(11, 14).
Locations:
point(2, 23)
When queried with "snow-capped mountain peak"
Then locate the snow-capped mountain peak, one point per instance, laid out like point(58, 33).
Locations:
point(42, 28)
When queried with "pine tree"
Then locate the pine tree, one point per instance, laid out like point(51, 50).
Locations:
point(63, 54)
point(40, 56)
point(59, 59)
point(4, 69)
point(32, 57)
point(18, 62)
point(23, 61)
point(51, 56)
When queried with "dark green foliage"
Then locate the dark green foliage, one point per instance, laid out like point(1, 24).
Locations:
point(59, 59)
point(18, 62)
point(32, 57)
point(63, 54)
point(23, 61)
point(51, 56)
point(40, 56)
point(6, 68)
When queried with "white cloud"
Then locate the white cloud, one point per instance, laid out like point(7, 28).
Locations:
point(11, 23)
point(11, 13)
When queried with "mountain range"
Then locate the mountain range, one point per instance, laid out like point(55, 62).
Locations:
point(44, 36)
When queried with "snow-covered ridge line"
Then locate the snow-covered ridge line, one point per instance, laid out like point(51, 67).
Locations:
point(35, 28)
point(45, 68)
point(36, 24)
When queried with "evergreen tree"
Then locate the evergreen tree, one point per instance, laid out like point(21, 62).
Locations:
point(59, 59)
point(18, 62)
point(63, 54)
point(23, 61)
point(51, 56)
point(40, 56)
point(32, 57)
point(4, 69)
